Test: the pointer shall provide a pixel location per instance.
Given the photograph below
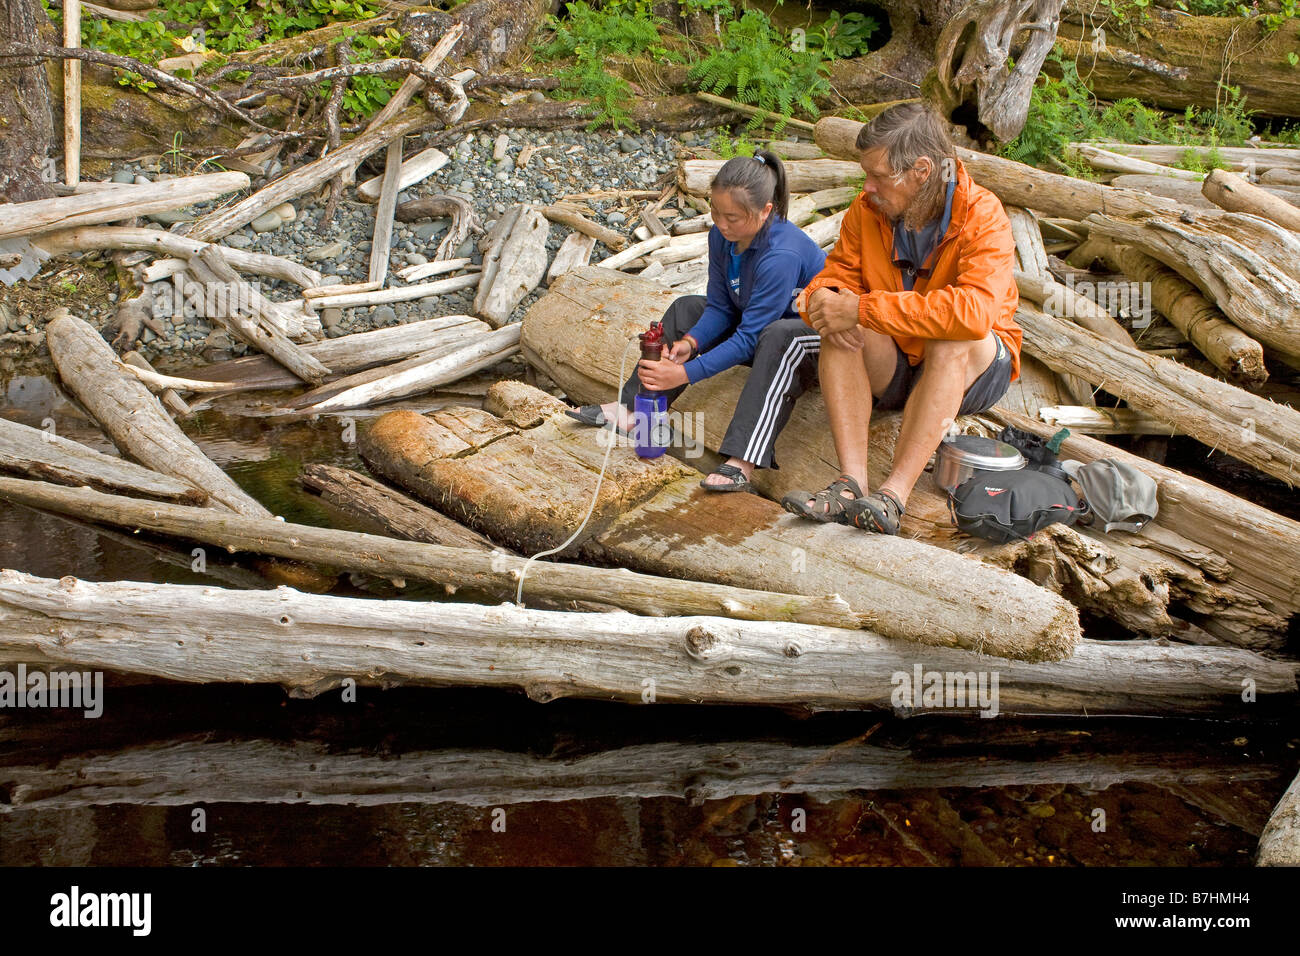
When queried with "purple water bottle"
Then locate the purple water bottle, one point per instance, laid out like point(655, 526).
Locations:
point(650, 431)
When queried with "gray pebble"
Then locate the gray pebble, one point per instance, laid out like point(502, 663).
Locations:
point(330, 251)
point(267, 222)
point(382, 315)
point(124, 176)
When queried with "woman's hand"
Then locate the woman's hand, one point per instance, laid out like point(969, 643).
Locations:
point(680, 351)
point(661, 375)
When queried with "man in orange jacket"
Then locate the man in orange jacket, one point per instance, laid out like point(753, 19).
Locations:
point(915, 310)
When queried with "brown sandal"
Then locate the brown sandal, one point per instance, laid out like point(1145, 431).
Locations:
point(828, 506)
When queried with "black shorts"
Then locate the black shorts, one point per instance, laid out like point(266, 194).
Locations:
point(983, 393)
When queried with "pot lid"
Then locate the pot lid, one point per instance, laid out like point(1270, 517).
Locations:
point(985, 453)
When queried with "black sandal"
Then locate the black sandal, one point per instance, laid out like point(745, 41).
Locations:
point(879, 511)
point(832, 503)
point(737, 480)
point(591, 415)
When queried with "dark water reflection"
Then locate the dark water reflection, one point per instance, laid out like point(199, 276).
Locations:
point(421, 776)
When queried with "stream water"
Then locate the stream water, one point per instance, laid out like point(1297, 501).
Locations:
point(233, 775)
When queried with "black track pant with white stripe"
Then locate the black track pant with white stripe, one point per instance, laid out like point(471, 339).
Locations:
point(784, 367)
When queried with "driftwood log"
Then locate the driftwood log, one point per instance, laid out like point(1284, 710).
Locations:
point(530, 487)
point(1133, 579)
point(133, 418)
point(1279, 844)
point(311, 643)
point(42, 455)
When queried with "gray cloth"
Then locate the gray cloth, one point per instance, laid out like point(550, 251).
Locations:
point(1123, 498)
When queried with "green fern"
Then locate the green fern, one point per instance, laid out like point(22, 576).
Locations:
point(760, 69)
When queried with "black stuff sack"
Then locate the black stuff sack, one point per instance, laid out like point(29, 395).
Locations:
point(1006, 506)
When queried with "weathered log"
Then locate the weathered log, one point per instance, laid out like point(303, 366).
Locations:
point(222, 222)
point(138, 365)
point(46, 456)
point(513, 267)
point(575, 251)
point(1279, 844)
point(1189, 193)
point(1237, 195)
point(397, 514)
point(345, 354)
point(427, 374)
point(1256, 431)
point(802, 175)
point(382, 240)
point(251, 317)
point(1249, 159)
point(1099, 158)
point(614, 241)
point(1231, 350)
point(1064, 302)
point(133, 417)
point(1136, 582)
point(311, 643)
point(348, 300)
point(191, 769)
point(72, 97)
point(1090, 420)
point(170, 244)
point(25, 107)
point(98, 206)
point(428, 269)
point(454, 568)
point(461, 213)
point(633, 252)
point(533, 489)
point(414, 170)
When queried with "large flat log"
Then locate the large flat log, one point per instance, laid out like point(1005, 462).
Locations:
point(533, 489)
point(311, 643)
point(133, 418)
point(34, 453)
point(1137, 584)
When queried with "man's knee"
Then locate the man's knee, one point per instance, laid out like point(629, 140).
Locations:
point(958, 355)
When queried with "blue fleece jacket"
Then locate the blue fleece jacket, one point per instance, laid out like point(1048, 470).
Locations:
point(777, 264)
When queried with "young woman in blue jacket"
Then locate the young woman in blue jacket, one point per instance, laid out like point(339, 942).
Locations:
point(758, 263)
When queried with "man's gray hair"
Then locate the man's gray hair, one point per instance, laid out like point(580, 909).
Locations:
point(907, 132)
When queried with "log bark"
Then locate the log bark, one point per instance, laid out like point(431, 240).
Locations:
point(169, 244)
point(1114, 162)
point(513, 267)
point(382, 241)
point(532, 489)
point(133, 417)
point(348, 300)
point(1249, 159)
point(259, 327)
point(24, 112)
point(615, 242)
point(310, 643)
point(1136, 582)
point(454, 568)
point(1237, 195)
point(46, 456)
point(1231, 350)
point(573, 253)
point(109, 205)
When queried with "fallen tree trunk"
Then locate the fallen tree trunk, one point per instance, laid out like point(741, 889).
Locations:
point(130, 415)
point(513, 265)
point(1252, 429)
point(614, 241)
point(1248, 159)
point(1231, 350)
point(414, 170)
point(109, 205)
point(1237, 195)
point(201, 770)
point(311, 643)
point(46, 456)
point(1138, 582)
point(169, 244)
point(1175, 60)
point(532, 488)
point(454, 568)
point(802, 175)
point(424, 290)
point(574, 252)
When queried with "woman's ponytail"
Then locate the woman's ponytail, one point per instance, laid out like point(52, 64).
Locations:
point(780, 190)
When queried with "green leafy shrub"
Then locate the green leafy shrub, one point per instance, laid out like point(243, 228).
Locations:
point(843, 36)
point(760, 68)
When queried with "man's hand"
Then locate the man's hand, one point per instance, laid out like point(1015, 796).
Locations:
point(831, 311)
point(661, 375)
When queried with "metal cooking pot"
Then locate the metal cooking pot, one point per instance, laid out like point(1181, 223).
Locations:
point(960, 456)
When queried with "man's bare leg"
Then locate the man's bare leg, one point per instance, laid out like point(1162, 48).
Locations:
point(950, 369)
point(849, 378)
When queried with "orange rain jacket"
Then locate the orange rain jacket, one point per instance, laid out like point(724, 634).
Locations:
point(971, 288)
